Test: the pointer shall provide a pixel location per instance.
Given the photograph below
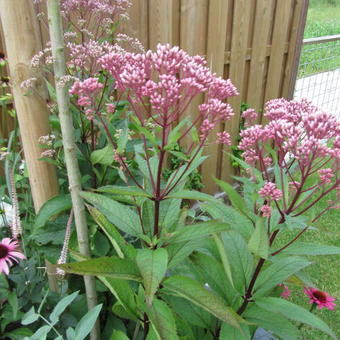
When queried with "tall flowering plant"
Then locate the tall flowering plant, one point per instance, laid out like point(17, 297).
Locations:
point(172, 275)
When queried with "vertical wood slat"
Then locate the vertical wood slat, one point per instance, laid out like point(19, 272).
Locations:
point(257, 63)
point(217, 29)
point(138, 14)
point(295, 45)
point(193, 37)
point(239, 41)
point(160, 22)
point(279, 38)
point(22, 42)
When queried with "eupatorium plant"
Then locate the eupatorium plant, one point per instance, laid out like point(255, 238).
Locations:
point(173, 276)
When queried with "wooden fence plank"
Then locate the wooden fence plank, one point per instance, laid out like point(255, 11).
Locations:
point(160, 22)
point(280, 33)
point(295, 44)
point(217, 28)
point(238, 54)
point(257, 63)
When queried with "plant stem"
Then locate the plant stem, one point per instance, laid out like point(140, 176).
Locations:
point(56, 33)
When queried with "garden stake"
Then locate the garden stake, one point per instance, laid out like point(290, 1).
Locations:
point(57, 42)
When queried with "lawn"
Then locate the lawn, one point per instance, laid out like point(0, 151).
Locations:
point(324, 271)
point(323, 19)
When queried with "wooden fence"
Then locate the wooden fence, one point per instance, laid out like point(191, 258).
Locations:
point(255, 43)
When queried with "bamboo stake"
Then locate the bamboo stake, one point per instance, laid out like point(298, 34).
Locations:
point(57, 42)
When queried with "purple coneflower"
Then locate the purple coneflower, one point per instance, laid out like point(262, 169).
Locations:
point(8, 253)
point(319, 298)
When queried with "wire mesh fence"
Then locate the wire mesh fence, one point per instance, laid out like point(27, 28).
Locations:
point(319, 73)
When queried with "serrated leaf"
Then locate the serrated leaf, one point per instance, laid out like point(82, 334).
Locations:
point(232, 333)
point(105, 266)
point(240, 259)
point(273, 322)
point(152, 265)
point(52, 207)
point(120, 190)
point(293, 312)
point(192, 195)
point(193, 291)
point(310, 249)
point(103, 156)
point(277, 273)
point(122, 248)
point(123, 217)
point(197, 231)
point(87, 322)
point(61, 306)
point(227, 214)
point(162, 320)
point(259, 243)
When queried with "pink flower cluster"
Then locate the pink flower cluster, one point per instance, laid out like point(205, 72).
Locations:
point(111, 8)
point(299, 132)
point(326, 175)
point(223, 138)
point(249, 116)
point(86, 91)
point(270, 192)
point(169, 79)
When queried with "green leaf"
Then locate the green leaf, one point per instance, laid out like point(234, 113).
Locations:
point(302, 248)
point(103, 156)
point(118, 335)
point(29, 317)
point(122, 248)
point(196, 293)
point(122, 291)
point(224, 258)
point(41, 333)
point(120, 215)
point(19, 334)
point(61, 306)
point(215, 277)
point(120, 190)
point(52, 207)
point(240, 259)
point(190, 312)
point(273, 322)
point(259, 243)
point(105, 266)
point(193, 195)
point(87, 322)
point(123, 137)
point(228, 214)
point(277, 273)
point(229, 332)
point(235, 198)
point(13, 301)
point(197, 231)
point(293, 312)
point(70, 333)
point(178, 252)
point(152, 265)
point(162, 320)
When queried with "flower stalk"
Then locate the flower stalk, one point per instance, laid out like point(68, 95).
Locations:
point(56, 34)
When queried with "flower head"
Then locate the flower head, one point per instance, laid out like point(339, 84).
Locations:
point(285, 291)
point(320, 298)
point(269, 191)
point(8, 253)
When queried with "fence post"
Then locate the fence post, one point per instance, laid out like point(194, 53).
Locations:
point(21, 38)
point(294, 58)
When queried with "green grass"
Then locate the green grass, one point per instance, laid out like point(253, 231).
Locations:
point(324, 271)
point(322, 19)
